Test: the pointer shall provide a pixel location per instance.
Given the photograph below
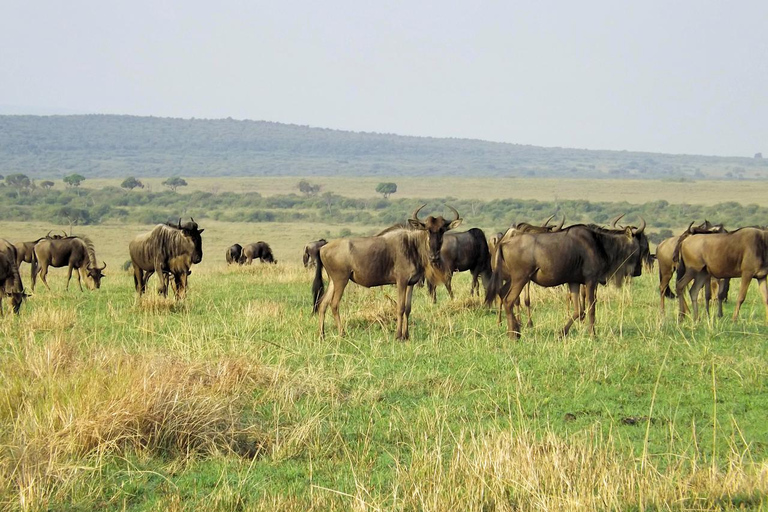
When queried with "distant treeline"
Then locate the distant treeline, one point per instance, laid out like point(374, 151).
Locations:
point(51, 147)
point(112, 204)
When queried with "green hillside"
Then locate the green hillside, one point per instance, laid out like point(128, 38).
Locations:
point(118, 146)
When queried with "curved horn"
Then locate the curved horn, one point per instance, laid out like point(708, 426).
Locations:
point(642, 226)
point(455, 212)
point(690, 227)
point(193, 219)
point(560, 226)
point(616, 220)
point(546, 222)
point(415, 215)
point(179, 222)
point(48, 235)
point(65, 233)
point(105, 265)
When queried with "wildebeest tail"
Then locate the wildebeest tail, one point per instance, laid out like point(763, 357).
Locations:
point(494, 284)
point(318, 289)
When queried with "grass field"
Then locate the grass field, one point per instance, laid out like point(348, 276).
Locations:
point(228, 401)
point(707, 192)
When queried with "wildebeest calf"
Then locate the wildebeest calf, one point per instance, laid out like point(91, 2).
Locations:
point(259, 250)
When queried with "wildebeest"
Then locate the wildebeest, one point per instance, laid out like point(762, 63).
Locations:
point(75, 253)
point(235, 254)
point(311, 252)
point(665, 257)
point(742, 253)
point(398, 256)
point(26, 253)
point(577, 255)
point(166, 250)
point(461, 252)
point(259, 250)
point(10, 280)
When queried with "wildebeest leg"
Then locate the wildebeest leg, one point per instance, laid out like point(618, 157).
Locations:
point(574, 290)
point(527, 300)
point(432, 290)
point(79, 281)
point(338, 291)
point(722, 294)
point(682, 282)
point(44, 275)
point(180, 281)
point(475, 284)
point(764, 290)
point(448, 279)
point(664, 278)
point(407, 313)
point(701, 279)
point(510, 298)
point(323, 305)
point(745, 279)
point(138, 279)
point(591, 303)
point(69, 277)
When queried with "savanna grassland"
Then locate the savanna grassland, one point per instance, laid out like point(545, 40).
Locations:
point(227, 400)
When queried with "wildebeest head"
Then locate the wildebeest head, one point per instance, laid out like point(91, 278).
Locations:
point(97, 274)
point(644, 252)
point(17, 298)
point(435, 228)
point(192, 233)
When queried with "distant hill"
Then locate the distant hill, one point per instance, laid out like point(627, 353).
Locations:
point(119, 146)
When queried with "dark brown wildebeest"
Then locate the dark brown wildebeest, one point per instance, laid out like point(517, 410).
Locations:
point(461, 252)
point(10, 279)
point(578, 255)
point(742, 253)
point(517, 229)
point(235, 254)
point(666, 256)
point(168, 250)
point(73, 252)
point(398, 256)
point(259, 250)
point(311, 252)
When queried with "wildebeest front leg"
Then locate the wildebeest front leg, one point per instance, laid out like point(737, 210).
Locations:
point(402, 290)
point(574, 291)
point(69, 277)
point(764, 290)
point(745, 280)
point(448, 279)
point(591, 304)
point(407, 312)
point(163, 288)
point(432, 290)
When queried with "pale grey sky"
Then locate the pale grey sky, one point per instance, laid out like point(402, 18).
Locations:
point(665, 76)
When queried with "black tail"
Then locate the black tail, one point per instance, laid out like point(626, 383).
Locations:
point(483, 263)
point(494, 284)
point(318, 289)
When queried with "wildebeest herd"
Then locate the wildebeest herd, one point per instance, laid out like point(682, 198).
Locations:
point(580, 256)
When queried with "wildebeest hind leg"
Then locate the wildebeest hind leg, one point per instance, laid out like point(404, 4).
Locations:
point(574, 290)
point(702, 278)
point(764, 291)
point(682, 282)
point(527, 301)
point(335, 300)
point(745, 279)
point(324, 301)
point(513, 325)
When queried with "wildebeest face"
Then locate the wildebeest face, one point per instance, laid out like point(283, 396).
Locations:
point(643, 255)
point(96, 274)
point(16, 299)
point(435, 228)
point(193, 235)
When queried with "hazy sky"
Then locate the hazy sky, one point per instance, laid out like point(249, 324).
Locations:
point(686, 76)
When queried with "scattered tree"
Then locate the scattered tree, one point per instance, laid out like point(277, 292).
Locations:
point(47, 184)
point(308, 188)
point(758, 155)
point(386, 189)
point(74, 180)
point(18, 181)
point(175, 182)
point(131, 183)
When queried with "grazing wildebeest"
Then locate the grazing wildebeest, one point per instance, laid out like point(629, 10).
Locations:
point(461, 252)
point(742, 253)
point(398, 256)
point(168, 250)
point(10, 279)
point(73, 252)
point(666, 258)
point(311, 252)
point(577, 255)
point(235, 254)
point(259, 250)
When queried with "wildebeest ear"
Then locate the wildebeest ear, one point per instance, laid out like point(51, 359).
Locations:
point(417, 224)
point(456, 223)
point(200, 231)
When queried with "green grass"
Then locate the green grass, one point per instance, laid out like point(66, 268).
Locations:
point(228, 401)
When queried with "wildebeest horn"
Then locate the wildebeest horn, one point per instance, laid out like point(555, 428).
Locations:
point(690, 228)
point(48, 235)
point(642, 226)
point(560, 226)
point(415, 215)
point(193, 220)
point(455, 212)
point(105, 265)
point(616, 220)
point(179, 222)
point(546, 222)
